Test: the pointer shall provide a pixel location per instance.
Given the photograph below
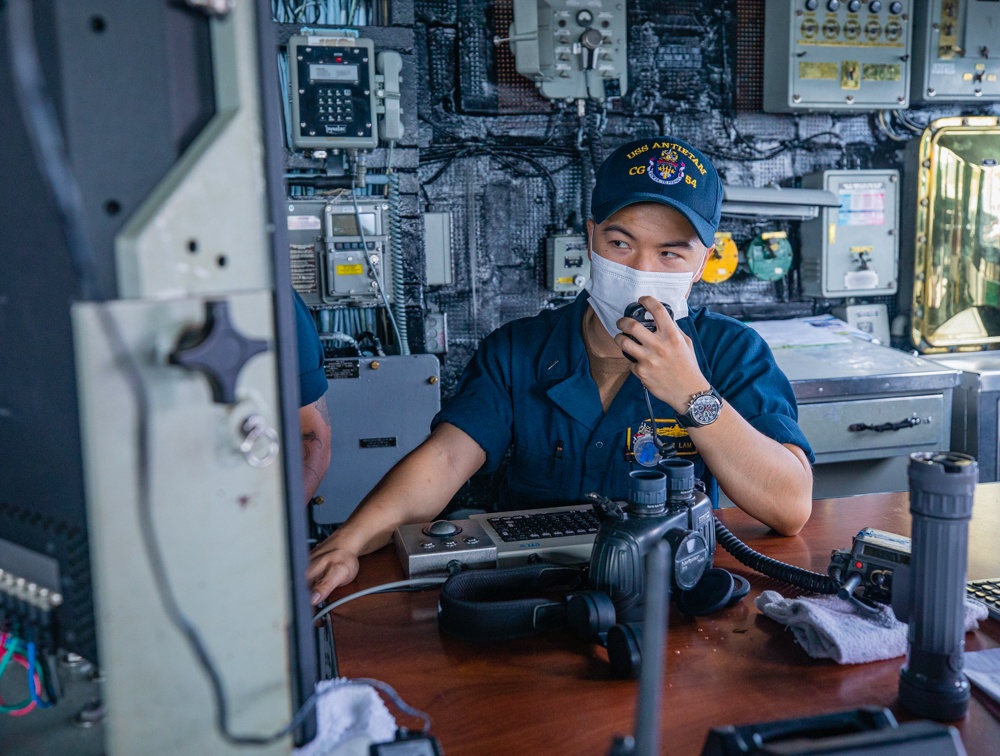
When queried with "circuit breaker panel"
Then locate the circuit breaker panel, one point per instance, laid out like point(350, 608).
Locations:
point(833, 55)
point(955, 51)
point(853, 250)
point(339, 254)
point(571, 50)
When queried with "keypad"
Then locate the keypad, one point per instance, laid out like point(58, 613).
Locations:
point(545, 525)
point(334, 105)
point(987, 591)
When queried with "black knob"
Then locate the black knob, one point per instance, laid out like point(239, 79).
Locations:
point(854, 6)
point(812, 5)
point(832, 5)
point(895, 8)
point(218, 350)
point(875, 6)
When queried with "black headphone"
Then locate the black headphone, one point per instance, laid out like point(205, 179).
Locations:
point(503, 604)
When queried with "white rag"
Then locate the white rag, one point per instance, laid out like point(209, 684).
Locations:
point(828, 627)
point(349, 718)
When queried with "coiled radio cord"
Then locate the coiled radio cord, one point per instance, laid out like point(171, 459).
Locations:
point(808, 580)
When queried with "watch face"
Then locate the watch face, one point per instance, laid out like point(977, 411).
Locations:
point(704, 410)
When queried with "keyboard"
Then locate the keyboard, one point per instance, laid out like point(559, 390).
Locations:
point(542, 525)
point(559, 534)
point(987, 591)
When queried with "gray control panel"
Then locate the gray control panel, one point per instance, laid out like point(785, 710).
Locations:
point(568, 263)
point(853, 250)
point(955, 47)
point(572, 50)
point(339, 255)
point(834, 55)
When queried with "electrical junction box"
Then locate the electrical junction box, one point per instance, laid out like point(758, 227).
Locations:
point(836, 56)
point(955, 46)
point(382, 409)
point(568, 263)
point(853, 250)
point(437, 248)
point(572, 50)
point(333, 262)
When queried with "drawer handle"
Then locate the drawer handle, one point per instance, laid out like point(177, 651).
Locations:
point(907, 423)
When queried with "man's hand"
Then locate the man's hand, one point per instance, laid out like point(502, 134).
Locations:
point(415, 490)
point(665, 359)
point(329, 568)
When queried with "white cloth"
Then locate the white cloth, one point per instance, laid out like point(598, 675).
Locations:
point(828, 627)
point(349, 718)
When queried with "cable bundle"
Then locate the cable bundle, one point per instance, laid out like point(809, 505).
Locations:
point(23, 653)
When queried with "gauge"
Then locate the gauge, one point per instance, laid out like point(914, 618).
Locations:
point(722, 260)
point(770, 256)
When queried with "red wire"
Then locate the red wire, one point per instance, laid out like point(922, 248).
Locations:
point(23, 661)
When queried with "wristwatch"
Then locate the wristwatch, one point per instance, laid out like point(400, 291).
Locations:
point(703, 409)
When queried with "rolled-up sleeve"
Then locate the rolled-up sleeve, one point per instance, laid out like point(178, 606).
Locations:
point(482, 405)
point(749, 379)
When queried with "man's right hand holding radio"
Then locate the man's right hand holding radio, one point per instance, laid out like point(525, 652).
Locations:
point(770, 481)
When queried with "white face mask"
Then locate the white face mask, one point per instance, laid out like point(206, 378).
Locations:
point(614, 286)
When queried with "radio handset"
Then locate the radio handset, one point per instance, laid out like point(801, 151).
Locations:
point(639, 313)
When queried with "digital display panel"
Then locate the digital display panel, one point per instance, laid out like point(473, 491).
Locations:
point(320, 72)
point(347, 225)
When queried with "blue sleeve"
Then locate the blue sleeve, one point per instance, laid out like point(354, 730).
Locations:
point(312, 376)
point(749, 379)
point(482, 405)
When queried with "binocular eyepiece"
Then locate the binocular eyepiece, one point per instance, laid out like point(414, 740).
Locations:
point(651, 491)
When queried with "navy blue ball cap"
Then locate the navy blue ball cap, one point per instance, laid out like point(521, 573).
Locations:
point(666, 170)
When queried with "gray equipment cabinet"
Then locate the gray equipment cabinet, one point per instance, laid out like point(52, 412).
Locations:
point(975, 409)
point(846, 392)
point(380, 410)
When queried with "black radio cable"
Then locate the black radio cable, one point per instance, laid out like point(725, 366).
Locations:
point(800, 577)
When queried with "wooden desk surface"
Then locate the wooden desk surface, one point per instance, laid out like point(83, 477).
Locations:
point(551, 694)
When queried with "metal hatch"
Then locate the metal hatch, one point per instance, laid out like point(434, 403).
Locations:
point(956, 291)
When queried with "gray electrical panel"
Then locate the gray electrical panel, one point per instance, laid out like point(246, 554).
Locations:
point(568, 264)
point(952, 45)
point(572, 50)
point(381, 409)
point(853, 250)
point(334, 259)
point(833, 55)
point(332, 81)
